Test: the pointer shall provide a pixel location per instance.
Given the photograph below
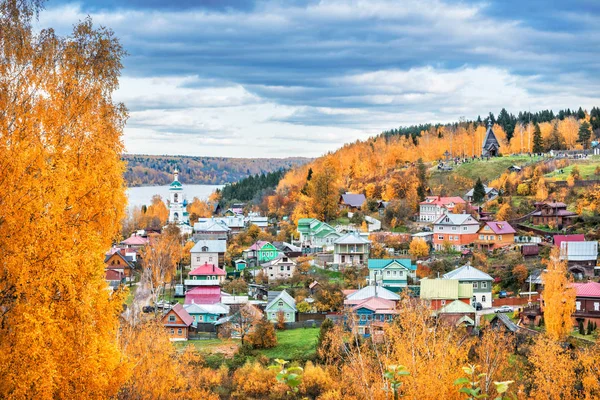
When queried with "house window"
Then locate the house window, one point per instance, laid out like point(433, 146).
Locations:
point(456, 238)
point(481, 237)
point(197, 259)
point(280, 303)
point(441, 228)
point(400, 273)
point(394, 273)
point(171, 318)
point(440, 237)
point(363, 317)
point(210, 259)
point(388, 273)
point(443, 302)
point(578, 305)
point(288, 268)
point(464, 228)
point(596, 306)
point(483, 299)
point(453, 228)
point(179, 331)
point(382, 317)
point(204, 248)
point(172, 331)
point(369, 317)
point(475, 285)
point(281, 268)
point(500, 237)
point(484, 285)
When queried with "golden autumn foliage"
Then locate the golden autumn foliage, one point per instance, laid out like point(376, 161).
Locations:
point(559, 298)
point(61, 204)
point(199, 209)
point(418, 248)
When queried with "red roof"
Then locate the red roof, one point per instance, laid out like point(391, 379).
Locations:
point(558, 239)
point(207, 269)
point(135, 240)
point(203, 295)
point(377, 305)
point(443, 201)
point(180, 311)
point(500, 227)
point(590, 289)
point(113, 275)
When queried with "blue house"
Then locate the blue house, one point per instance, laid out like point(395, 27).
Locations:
point(206, 313)
point(391, 273)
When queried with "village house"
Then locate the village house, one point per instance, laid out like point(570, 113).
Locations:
point(205, 275)
point(381, 207)
point(558, 239)
point(433, 207)
point(288, 249)
point(458, 230)
point(372, 306)
point(495, 234)
point(281, 267)
point(258, 220)
point(208, 252)
point(135, 241)
point(391, 273)
point(457, 313)
point(352, 201)
point(351, 249)
point(203, 295)
point(581, 257)
point(314, 233)
point(210, 229)
point(553, 213)
point(587, 302)
point(440, 292)
point(120, 263)
point(260, 252)
point(490, 194)
point(206, 313)
point(283, 303)
point(481, 282)
point(177, 322)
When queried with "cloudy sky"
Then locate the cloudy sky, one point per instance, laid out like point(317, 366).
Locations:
point(300, 77)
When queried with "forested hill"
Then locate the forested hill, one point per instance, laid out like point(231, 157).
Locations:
point(146, 170)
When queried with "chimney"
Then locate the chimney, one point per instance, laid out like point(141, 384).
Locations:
point(213, 267)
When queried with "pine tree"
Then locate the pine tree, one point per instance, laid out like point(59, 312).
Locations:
point(537, 140)
point(422, 176)
point(478, 191)
point(584, 134)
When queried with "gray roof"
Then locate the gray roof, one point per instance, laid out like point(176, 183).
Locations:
point(214, 246)
point(351, 238)
point(456, 219)
point(373, 291)
point(279, 261)
point(217, 308)
point(579, 251)
point(487, 191)
point(289, 300)
point(271, 294)
point(210, 226)
point(353, 199)
point(490, 140)
point(468, 273)
point(535, 277)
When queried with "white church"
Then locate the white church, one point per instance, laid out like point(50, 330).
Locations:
point(178, 214)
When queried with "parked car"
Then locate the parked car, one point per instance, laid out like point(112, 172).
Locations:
point(504, 309)
point(148, 309)
point(478, 306)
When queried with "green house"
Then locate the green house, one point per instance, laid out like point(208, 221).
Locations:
point(240, 265)
point(206, 313)
point(391, 272)
point(261, 252)
point(283, 303)
point(316, 233)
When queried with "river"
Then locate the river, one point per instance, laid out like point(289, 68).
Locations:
point(141, 195)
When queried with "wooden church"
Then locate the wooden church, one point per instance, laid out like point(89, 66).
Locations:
point(491, 146)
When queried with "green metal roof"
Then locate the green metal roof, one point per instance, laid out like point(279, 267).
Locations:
point(381, 263)
point(457, 307)
point(432, 289)
point(176, 184)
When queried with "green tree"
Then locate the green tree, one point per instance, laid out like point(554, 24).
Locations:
point(422, 176)
point(585, 134)
point(478, 191)
point(538, 146)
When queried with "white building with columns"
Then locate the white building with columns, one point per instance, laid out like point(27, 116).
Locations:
point(178, 214)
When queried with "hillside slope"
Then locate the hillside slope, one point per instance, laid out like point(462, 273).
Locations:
point(143, 170)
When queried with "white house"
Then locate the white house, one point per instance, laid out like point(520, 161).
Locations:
point(434, 207)
point(482, 283)
point(351, 249)
point(281, 267)
point(208, 252)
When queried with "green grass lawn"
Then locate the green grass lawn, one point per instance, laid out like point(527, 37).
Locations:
point(294, 344)
point(587, 169)
point(327, 274)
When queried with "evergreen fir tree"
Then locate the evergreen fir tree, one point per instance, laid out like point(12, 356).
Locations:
point(584, 135)
point(580, 113)
point(537, 140)
point(422, 176)
point(478, 191)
